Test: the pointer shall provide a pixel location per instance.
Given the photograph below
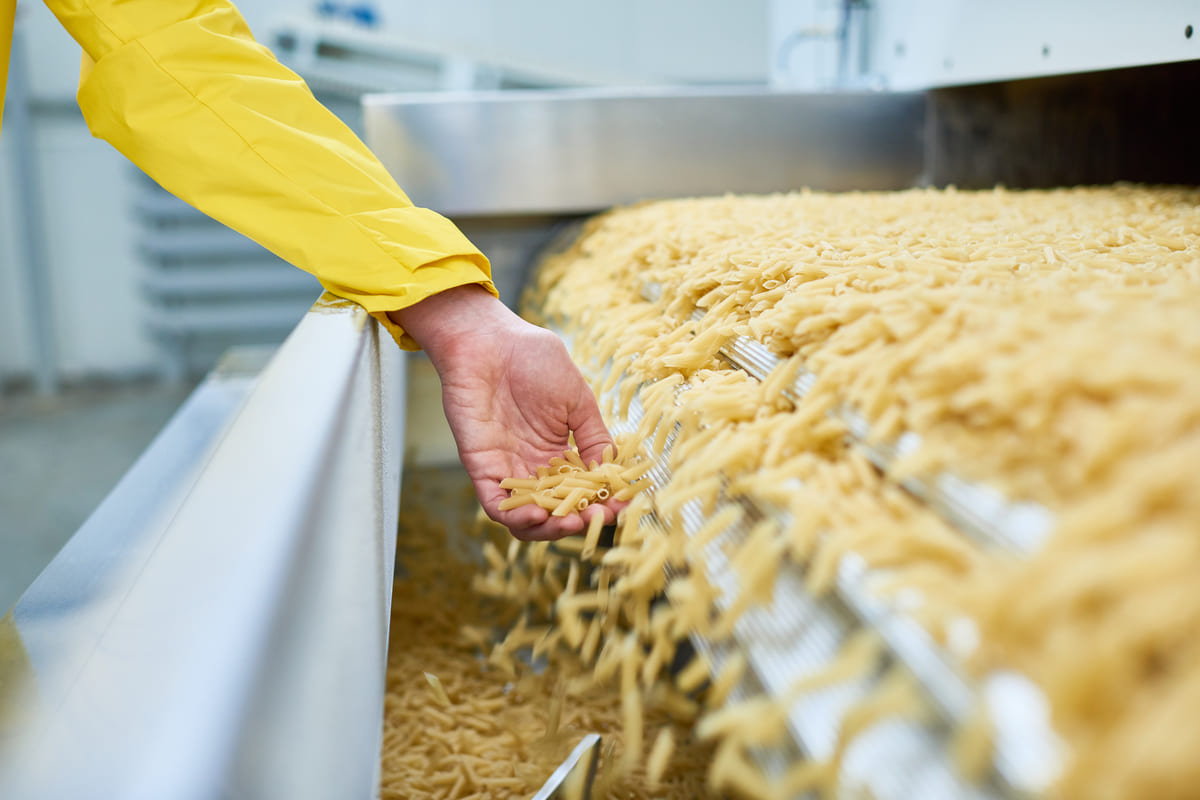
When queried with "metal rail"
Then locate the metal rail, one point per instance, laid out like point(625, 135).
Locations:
point(218, 627)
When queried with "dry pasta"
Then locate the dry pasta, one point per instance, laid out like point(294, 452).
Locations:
point(459, 727)
point(1043, 343)
point(567, 485)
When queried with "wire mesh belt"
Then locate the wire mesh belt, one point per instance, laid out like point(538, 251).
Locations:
point(798, 633)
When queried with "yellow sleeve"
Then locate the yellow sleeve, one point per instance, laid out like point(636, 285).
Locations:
point(182, 89)
point(8, 12)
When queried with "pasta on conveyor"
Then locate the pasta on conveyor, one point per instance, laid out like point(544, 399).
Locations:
point(1037, 353)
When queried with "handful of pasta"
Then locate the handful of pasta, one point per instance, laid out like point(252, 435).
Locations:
point(567, 484)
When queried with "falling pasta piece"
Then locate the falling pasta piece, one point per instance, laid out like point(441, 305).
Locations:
point(439, 693)
point(660, 756)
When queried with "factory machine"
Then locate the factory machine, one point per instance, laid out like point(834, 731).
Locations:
point(218, 627)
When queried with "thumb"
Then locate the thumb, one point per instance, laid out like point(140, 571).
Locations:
point(591, 434)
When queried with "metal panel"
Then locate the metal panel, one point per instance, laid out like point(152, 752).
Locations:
point(1095, 128)
point(577, 151)
point(930, 43)
point(218, 628)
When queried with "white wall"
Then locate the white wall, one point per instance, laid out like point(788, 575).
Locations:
point(87, 193)
point(803, 44)
point(87, 228)
point(90, 234)
point(627, 41)
point(16, 346)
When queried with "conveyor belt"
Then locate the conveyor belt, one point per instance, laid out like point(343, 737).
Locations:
point(978, 511)
point(798, 634)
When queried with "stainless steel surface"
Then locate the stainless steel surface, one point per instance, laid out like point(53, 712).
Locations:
point(218, 627)
point(1094, 128)
point(582, 150)
point(573, 778)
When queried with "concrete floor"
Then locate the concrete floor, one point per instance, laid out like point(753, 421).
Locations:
point(59, 457)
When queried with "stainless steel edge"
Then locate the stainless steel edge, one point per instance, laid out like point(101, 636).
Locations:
point(583, 150)
point(218, 628)
point(573, 778)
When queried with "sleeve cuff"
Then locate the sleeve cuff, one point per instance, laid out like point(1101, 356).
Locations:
point(435, 277)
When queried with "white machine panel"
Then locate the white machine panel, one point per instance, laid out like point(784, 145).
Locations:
point(930, 43)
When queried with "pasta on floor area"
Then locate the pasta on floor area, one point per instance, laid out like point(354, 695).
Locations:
point(459, 725)
point(914, 471)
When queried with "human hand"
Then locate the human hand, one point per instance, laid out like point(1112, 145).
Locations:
point(511, 395)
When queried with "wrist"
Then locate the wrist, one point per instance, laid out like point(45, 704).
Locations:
point(452, 316)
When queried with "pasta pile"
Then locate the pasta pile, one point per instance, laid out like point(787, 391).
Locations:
point(460, 724)
point(1043, 343)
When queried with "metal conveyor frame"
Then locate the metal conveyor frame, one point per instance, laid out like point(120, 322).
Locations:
point(218, 627)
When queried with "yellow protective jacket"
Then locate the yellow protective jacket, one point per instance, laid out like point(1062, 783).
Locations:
point(181, 88)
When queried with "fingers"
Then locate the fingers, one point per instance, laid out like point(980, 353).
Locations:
point(552, 528)
point(559, 527)
point(591, 434)
point(534, 523)
point(523, 518)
